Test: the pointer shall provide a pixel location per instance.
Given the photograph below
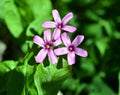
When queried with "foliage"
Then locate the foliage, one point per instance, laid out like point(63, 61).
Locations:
point(98, 74)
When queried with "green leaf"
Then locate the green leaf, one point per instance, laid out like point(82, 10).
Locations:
point(92, 15)
point(36, 27)
point(41, 10)
point(16, 82)
point(45, 77)
point(107, 26)
point(87, 67)
point(30, 85)
point(116, 34)
point(21, 79)
point(1, 8)
point(102, 45)
point(5, 68)
point(94, 29)
point(12, 18)
point(98, 87)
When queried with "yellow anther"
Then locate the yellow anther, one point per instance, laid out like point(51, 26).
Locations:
point(59, 26)
point(70, 48)
point(47, 46)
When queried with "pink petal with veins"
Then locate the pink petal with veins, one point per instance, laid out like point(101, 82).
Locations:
point(41, 55)
point(68, 17)
point(38, 40)
point(66, 39)
point(77, 41)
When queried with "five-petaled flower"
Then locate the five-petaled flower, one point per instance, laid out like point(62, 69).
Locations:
point(59, 24)
point(46, 45)
point(71, 48)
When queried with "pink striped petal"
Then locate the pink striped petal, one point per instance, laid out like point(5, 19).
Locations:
point(61, 51)
point(49, 24)
point(57, 42)
point(52, 56)
point(38, 40)
point(81, 52)
point(56, 33)
point(68, 17)
point(71, 58)
point(78, 40)
point(47, 35)
point(41, 55)
point(66, 39)
point(56, 16)
point(69, 28)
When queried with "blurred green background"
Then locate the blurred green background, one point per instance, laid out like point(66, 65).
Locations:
point(97, 20)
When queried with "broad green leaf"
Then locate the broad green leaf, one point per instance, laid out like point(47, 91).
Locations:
point(25, 11)
point(21, 79)
point(12, 18)
point(75, 85)
point(5, 68)
point(35, 26)
point(102, 45)
point(29, 75)
point(16, 81)
point(87, 67)
point(30, 85)
point(93, 30)
point(91, 15)
point(41, 10)
point(98, 87)
point(1, 8)
point(45, 77)
point(107, 26)
point(117, 34)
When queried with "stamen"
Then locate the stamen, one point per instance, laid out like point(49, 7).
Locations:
point(71, 48)
point(59, 26)
point(48, 46)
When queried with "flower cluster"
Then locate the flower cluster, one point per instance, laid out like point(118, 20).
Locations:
point(51, 41)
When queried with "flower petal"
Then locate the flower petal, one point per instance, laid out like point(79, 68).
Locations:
point(49, 24)
point(52, 56)
point(41, 55)
point(69, 28)
point(56, 33)
point(61, 51)
point(71, 58)
point(68, 17)
point(66, 39)
point(81, 52)
point(47, 35)
point(78, 40)
point(57, 42)
point(56, 16)
point(38, 40)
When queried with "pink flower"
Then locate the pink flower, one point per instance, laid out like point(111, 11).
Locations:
point(71, 48)
point(59, 24)
point(46, 45)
